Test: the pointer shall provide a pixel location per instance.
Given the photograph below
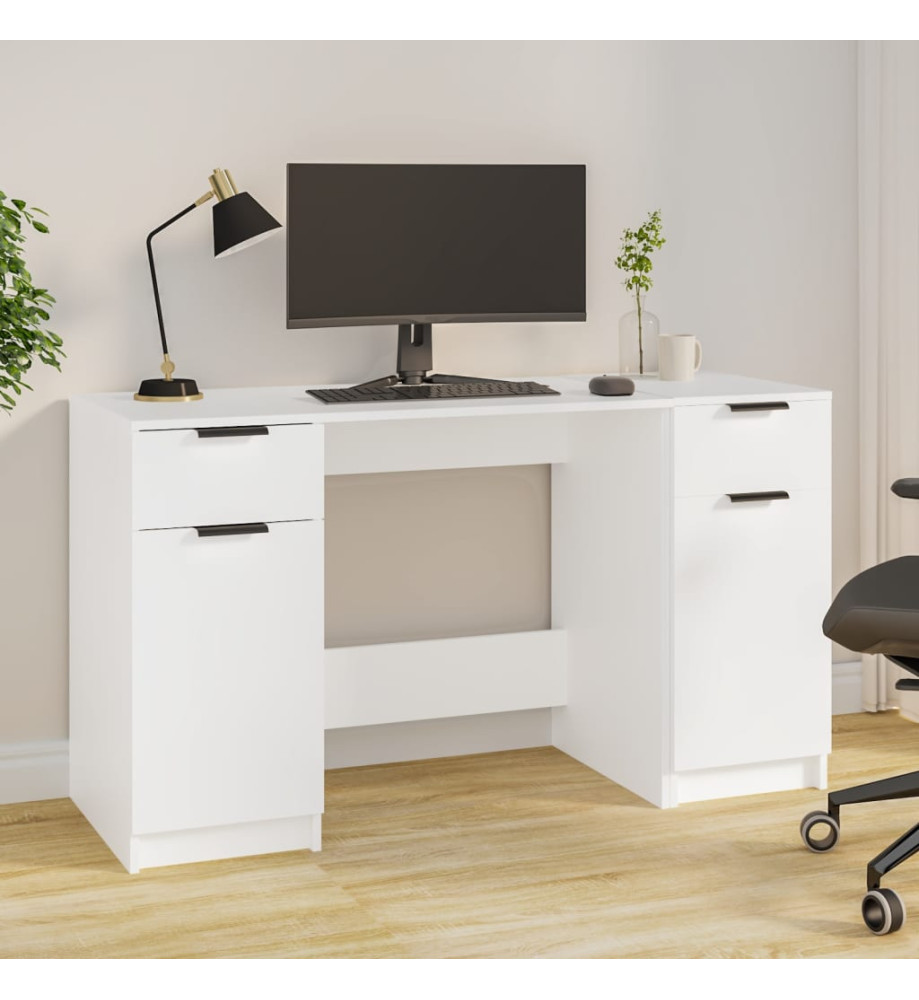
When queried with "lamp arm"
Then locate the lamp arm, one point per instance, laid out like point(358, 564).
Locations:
point(156, 291)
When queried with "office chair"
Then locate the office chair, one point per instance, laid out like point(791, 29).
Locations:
point(877, 612)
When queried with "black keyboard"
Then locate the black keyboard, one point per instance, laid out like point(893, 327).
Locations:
point(436, 390)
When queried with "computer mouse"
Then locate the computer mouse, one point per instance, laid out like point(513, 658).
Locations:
point(611, 385)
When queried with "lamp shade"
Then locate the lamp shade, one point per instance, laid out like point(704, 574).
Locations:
point(240, 221)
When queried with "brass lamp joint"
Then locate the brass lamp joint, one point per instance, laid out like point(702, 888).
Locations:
point(222, 184)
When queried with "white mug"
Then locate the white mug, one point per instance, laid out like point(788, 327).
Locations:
point(680, 356)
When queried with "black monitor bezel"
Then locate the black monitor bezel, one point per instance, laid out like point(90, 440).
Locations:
point(438, 318)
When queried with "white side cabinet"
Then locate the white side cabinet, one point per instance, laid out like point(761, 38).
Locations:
point(751, 544)
point(197, 647)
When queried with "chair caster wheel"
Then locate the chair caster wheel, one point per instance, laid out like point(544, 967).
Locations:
point(819, 844)
point(883, 911)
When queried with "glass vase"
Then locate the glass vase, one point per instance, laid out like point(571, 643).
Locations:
point(638, 344)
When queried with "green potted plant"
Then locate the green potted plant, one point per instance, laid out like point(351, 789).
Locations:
point(24, 307)
point(639, 328)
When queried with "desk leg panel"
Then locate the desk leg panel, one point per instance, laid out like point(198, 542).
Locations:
point(611, 522)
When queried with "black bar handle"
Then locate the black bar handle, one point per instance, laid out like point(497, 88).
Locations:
point(212, 530)
point(763, 495)
point(227, 432)
point(748, 407)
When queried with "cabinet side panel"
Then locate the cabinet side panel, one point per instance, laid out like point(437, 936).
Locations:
point(100, 621)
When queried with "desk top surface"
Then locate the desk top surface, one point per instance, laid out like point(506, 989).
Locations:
point(291, 404)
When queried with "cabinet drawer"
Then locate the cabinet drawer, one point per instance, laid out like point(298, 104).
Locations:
point(752, 667)
point(722, 450)
point(227, 475)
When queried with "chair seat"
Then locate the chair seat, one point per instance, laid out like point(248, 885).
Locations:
point(878, 610)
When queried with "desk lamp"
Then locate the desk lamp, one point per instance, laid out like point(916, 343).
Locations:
point(239, 221)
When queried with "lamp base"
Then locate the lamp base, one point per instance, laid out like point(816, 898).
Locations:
point(173, 390)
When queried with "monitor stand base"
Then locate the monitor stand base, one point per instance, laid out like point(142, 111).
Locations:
point(414, 360)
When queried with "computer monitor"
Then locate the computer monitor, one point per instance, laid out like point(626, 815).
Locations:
point(418, 244)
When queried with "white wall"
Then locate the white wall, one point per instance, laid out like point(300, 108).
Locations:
point(747, 148)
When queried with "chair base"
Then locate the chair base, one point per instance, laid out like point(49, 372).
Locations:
point(894, 854)
point(902, 786)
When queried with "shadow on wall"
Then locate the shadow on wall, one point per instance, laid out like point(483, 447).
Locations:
point(33, 574)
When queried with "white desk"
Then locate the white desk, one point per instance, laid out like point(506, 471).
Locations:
point(684, 660)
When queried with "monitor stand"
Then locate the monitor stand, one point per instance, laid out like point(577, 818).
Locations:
point(414, 359)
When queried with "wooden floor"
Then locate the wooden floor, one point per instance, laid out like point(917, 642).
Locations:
point(509, 855)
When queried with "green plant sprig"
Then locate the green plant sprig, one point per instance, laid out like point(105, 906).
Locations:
point(635, 254)
point(24, 307)
point(635, 260)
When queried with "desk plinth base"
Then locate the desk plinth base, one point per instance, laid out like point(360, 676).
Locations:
point(178, 847)
point(750, 779)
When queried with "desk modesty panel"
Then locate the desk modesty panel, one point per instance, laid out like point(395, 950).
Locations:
point(690, 571)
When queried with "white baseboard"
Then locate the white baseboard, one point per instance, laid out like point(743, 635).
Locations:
point(847, 688)
point(32, 771)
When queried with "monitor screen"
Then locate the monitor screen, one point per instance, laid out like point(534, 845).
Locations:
point(386, 243)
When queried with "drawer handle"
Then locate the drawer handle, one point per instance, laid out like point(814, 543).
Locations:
point(213, 530)
point(227, 432)
point(748, 407)
point(763, 495)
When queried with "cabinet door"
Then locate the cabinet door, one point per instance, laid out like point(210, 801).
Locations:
point(228, 666)
point(752, 669)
